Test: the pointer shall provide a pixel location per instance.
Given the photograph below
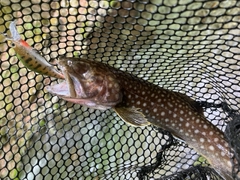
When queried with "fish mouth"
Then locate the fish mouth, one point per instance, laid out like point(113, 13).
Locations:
point(72, 88)
point(69, 83)
point(65, 88)
point(72, 91)
point(60, 89)
point(69, 88)
point(87, 84)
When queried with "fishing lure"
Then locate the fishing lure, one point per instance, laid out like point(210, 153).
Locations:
point(141, 103)
point(29, 56)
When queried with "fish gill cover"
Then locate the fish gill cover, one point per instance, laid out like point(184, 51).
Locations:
point(187, 46)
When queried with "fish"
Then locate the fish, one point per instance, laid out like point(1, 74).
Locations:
point(141, 103)
point(29, 56)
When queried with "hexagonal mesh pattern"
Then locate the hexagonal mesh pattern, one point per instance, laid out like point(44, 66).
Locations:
point(188, 46)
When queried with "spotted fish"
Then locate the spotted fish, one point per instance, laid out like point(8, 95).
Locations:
point(141, 103)
point(29, 56)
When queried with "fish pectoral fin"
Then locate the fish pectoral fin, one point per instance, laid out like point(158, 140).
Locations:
point(132, 116)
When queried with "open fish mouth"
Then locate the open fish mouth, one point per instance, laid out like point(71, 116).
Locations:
point(69, 88)
point(65, 88)
point(61, 89)
point(88, 83)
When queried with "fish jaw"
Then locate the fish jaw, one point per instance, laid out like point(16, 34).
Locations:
point(87, 83)
point(62, 90)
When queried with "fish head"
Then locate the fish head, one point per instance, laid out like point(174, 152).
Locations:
point(88, 83)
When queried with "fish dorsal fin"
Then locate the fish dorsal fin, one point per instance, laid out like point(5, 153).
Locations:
point(132, 116)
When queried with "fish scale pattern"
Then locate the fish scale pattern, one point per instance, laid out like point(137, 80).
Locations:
point(188, 46)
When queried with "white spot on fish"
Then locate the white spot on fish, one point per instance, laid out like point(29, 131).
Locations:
point(196, 131)
point(162, 113)
point(226, 144)
point(202, 140)
point(110, 78)
point(222, 153)
point(170, 104)
point(205, 126)
point(229, 163)
point(155, 110)
point(211, 148)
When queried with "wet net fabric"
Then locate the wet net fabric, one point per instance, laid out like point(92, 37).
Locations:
point(189, 46)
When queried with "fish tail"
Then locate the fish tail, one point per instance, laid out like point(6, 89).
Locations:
point(14, 33)
point(15, 36)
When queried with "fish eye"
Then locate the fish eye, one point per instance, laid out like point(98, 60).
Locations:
point(12, 44)
point(69, 63)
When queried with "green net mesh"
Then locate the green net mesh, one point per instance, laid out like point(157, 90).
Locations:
point(189, 46)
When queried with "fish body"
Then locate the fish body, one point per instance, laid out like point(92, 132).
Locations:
point(141, 103)
point(29, 56)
